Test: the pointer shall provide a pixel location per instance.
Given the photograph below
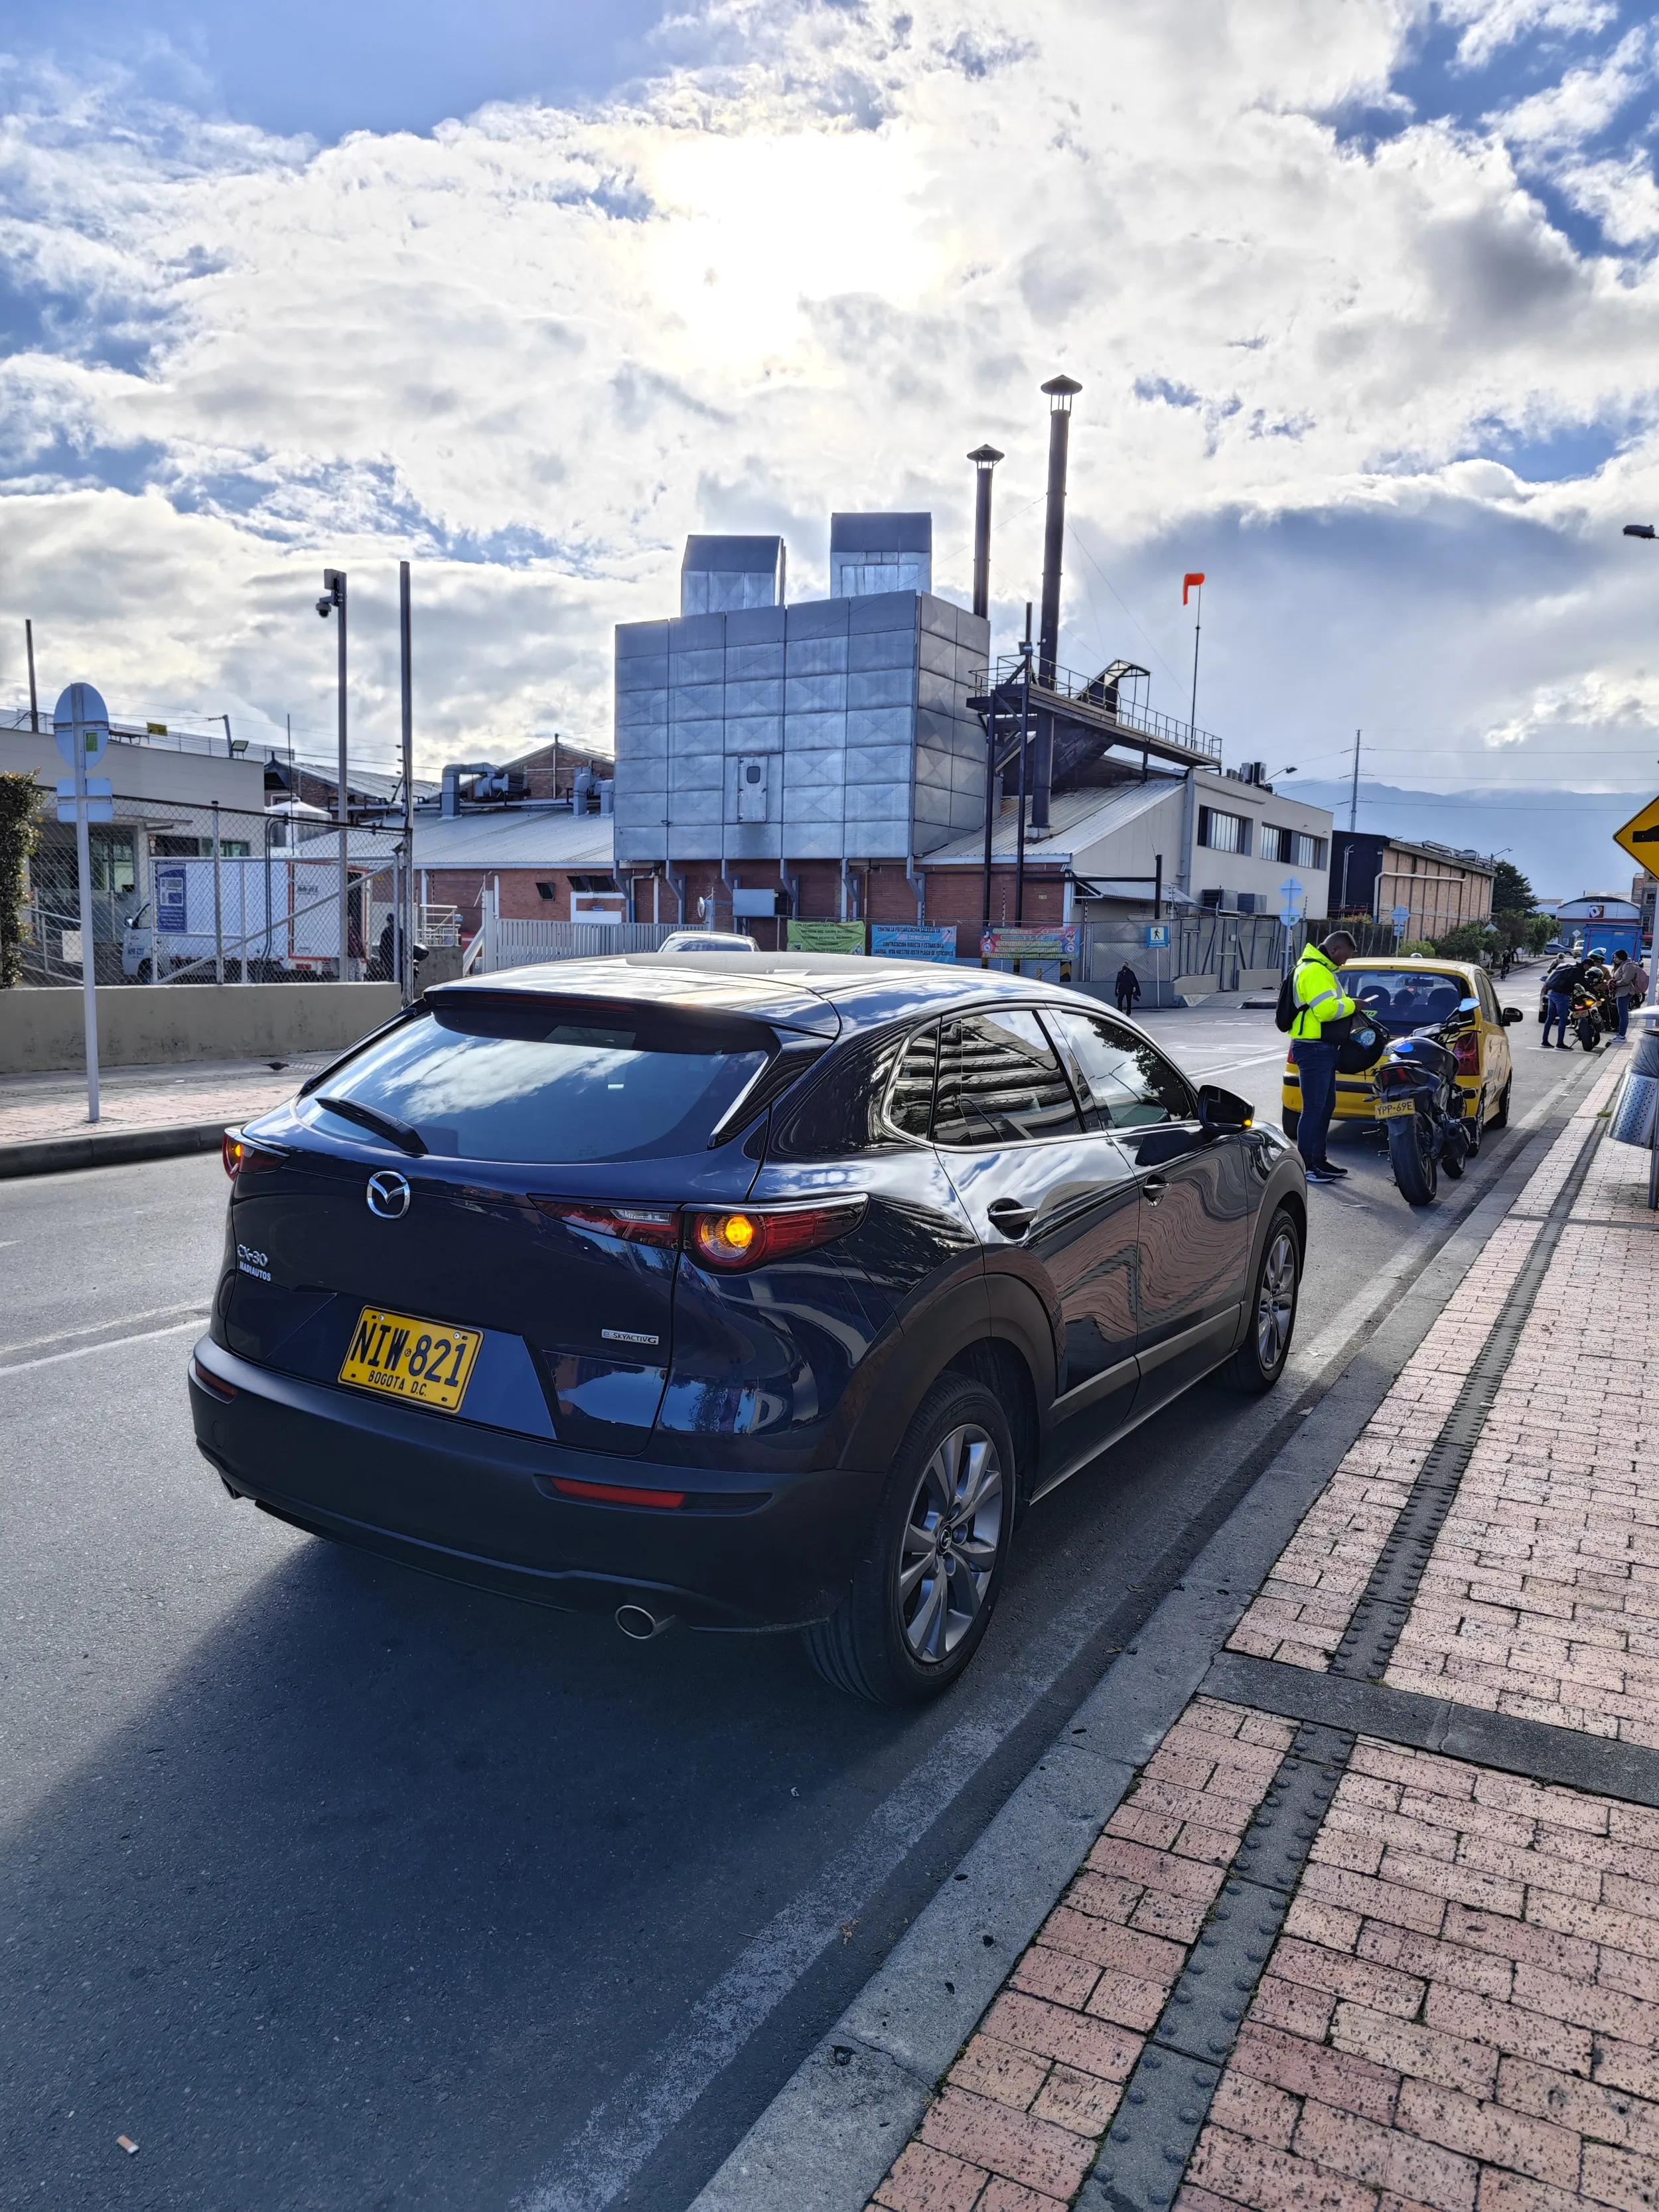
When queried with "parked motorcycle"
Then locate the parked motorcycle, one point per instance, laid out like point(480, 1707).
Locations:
point(1422, 1109)
point(1591, 1017)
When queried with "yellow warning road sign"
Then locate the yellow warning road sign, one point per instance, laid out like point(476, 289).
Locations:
point(1640, 837)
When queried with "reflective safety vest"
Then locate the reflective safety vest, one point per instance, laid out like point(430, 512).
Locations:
point(1319, 997)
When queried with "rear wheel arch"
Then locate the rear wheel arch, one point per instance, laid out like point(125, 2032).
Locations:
point(1005, 1372)
point(996, 1330)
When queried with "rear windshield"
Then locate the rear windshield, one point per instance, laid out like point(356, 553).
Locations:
point(552, 1081)
point(1404, 998)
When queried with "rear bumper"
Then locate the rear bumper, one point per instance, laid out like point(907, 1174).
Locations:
point(1356, 1098)
point(478, 1506)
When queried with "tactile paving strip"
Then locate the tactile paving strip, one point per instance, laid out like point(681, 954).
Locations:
point(1168, 2095)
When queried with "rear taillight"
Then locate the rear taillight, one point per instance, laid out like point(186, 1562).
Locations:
point(657, 1225)
point(240, 1157)
point(1467, 1049)
point(617, 1493)
point(752, 1236)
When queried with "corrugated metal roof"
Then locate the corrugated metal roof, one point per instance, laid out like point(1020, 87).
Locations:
point(512, 839)
point(1078, 819)
point(517, 839)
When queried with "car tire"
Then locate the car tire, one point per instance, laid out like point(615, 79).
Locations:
point(906, 1630)
point(1259, 1360)
point(1290, 1122)
point(1500, 1118)
point(1474, 1127)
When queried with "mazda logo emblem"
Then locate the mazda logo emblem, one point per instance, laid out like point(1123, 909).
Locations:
point(388, 1194)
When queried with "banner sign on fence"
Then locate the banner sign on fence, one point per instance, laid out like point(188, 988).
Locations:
point(170, 902)
point(1028, 942)
point(826, 937)
point(901, 940)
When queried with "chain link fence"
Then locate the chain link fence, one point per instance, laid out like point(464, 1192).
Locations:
point(186, 893)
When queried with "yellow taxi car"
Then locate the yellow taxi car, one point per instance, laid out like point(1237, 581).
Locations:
point(1402, 995)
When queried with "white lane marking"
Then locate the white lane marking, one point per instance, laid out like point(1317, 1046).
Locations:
point(110, 1344)
point(96, 1327)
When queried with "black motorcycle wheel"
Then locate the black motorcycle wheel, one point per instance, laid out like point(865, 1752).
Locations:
point(1412, 1158)
point(1589, 1033)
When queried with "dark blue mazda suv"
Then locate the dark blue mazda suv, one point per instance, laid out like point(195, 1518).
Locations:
point(759, 1294)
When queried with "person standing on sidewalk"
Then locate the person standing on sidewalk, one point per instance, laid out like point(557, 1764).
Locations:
point(1559, 984)
point(1128, 988)
point(1322, 1009)
point(1629, 985)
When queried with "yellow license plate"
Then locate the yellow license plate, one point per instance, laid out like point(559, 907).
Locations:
point(1391, 1109)
point(403, 1357)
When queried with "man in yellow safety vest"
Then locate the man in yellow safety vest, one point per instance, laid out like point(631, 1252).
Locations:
point(1320, 999)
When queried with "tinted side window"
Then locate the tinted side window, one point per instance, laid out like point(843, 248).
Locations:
point(1001, 1082)
point(1130, 1085)
point(1487, 996)
point(839, 1112)
point(910, 1101)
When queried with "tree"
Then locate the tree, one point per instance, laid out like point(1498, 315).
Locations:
point(19, 828)
point(1511, 891)
point(1470, 940)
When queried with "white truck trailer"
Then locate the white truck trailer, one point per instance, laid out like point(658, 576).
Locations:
point(276, 916)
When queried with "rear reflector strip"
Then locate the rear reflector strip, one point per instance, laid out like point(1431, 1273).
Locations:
point(211, 1383)
point(617, 1493)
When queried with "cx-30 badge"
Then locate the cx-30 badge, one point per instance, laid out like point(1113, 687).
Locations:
point(388, 1194)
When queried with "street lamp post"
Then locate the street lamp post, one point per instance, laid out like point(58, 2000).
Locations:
point(406, 669)
point(333, 601)
point(1646, 530)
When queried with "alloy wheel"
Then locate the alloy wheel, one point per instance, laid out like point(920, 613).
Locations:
point(953, 1532)
point(1275, 1305)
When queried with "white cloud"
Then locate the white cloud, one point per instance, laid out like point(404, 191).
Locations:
point(535, 348)
point(1490, 25)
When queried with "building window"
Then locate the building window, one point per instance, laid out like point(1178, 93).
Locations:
point(1223, 833)
point(1276, 842)
point(1308, 853)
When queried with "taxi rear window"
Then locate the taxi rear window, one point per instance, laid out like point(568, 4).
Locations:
point(1405, 996)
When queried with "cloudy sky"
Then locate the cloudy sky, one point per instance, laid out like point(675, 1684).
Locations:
point(1361, 294)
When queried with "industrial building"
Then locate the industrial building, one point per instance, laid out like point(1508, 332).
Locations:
point(1434, 887)
point(769, 757)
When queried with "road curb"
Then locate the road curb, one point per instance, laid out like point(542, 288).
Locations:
point(830, 2135)
point(107, 1148)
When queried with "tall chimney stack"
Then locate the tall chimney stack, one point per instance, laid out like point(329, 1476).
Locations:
point(984, 459)
point(1060, 390)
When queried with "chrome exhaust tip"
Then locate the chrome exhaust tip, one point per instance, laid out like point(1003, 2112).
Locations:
point(635, 1622)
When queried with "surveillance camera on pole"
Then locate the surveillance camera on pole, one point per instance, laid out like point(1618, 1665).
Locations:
point(332, 601)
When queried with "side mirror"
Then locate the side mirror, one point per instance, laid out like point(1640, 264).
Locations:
point(1511, 1015)
point(1223, 1109)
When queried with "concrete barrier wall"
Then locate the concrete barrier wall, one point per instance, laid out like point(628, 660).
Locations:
point(168, 1023)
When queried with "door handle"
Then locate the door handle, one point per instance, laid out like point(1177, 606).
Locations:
point(1154, 1187)
point(1008, 1215)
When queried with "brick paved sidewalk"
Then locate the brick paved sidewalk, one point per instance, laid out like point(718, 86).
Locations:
point(1451, 1997)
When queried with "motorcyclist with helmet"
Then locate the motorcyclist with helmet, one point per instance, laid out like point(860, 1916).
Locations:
point(1563, 980)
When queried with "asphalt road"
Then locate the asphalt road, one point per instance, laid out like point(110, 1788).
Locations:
point(333, 1886)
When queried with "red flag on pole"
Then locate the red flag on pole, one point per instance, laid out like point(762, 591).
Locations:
point(1194, 576)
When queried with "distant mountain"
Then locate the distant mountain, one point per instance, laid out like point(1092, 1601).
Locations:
point(1561, 840)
